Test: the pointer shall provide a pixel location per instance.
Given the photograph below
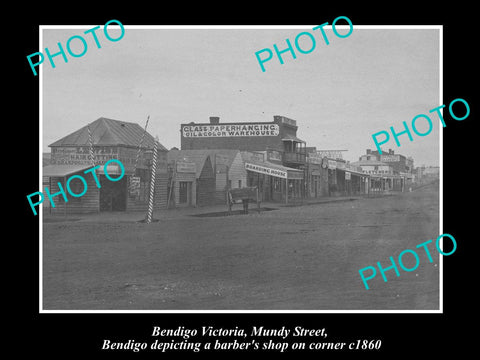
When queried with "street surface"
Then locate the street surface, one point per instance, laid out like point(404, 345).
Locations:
point(292, 258)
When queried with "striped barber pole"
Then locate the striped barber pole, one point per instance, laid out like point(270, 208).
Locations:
point(90, 143)
point(140, 145)
point(152, 182)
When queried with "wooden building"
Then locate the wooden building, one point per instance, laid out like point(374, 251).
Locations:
point(204, 191)
point(275, 182)
point(317, 180)
point(284, 152)
point(182, 188)
point(230, 172)
point(112, 139)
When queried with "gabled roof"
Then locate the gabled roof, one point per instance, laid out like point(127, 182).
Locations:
point(62, 170)
point(109, 132)
point(227, 155)
point(196, 156)
point(199, 156)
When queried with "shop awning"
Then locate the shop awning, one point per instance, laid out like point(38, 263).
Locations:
point(275, 170)
point(63, 170)
point(289, 137)
point(386, 176)
point(357, 173)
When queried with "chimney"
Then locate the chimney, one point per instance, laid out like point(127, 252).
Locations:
point(369, 151)
point(214, 120)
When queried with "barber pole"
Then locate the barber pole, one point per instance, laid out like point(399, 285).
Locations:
point(90, 143)
point(140, 145)
point(152, 182)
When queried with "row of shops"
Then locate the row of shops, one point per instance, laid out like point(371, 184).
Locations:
point(214, 158)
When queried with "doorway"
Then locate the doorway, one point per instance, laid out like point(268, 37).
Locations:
point(185, 193)
point(113, 195)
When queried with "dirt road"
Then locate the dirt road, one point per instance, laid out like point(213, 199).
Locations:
point(292, 258)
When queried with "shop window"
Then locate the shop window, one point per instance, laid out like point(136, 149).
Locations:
point(277, 184)
point(239, 184)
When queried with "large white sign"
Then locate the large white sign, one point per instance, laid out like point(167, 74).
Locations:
point(332, 164)
point(254, 129)
point(389, 158)
point(333, 154)
point(266, 170)
point(134, 186)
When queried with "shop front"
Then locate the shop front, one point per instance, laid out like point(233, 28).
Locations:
point(96, 144)
point(276, 183)
point(356, 183)
point(182, 184)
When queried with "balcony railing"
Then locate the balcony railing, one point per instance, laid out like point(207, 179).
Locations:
point(294, 157)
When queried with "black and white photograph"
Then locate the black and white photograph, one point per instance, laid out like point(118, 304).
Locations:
point(246, 184)
point(290, 183)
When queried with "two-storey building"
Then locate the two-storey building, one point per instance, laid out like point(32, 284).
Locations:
point(278, 167)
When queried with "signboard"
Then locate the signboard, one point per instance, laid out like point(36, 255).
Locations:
point(186, 167)
point(266, 170)
point(314, 158)
point(340, 165)
point(113, 169)
point(134, 186)
point(332, 164)
point(257, 156)
point(389, 158)
point(347, 175)
point(274, 155)
point(333, 154)
point(230, 130)
point(295, 175)
point(353, 168)
point(81, 154)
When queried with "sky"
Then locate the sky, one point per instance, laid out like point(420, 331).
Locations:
point(339, 94)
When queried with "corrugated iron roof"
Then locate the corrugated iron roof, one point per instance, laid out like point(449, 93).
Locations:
point(62, 170)
point(289, 137)
point(109, 132)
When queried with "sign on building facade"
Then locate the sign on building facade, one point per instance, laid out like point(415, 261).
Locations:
point(134, 186)
point(266, 170)
point(186, 167)
point(389, 158)
point(274, 155)
point(254, 129)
